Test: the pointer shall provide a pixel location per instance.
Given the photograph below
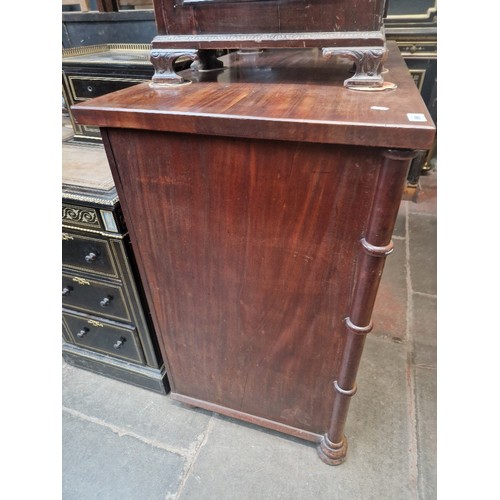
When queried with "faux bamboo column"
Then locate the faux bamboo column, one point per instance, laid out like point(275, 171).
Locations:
point(374, 247)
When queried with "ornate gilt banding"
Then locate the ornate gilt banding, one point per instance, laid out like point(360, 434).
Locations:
point(345, 392)
point(359, 330)
point(87, 216)
point(81, 281)
point(95, 323)
point(376, 251)
point(268, 40)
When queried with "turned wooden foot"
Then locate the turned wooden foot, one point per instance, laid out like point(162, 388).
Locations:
point(332, 453)
point(368, 64)
point(163, 61)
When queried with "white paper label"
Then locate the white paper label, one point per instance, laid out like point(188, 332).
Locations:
point(416, 117)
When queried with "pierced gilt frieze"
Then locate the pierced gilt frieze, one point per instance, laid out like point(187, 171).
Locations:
point(80, 215)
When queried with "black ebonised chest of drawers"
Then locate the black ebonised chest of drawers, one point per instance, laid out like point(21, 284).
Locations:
point(106, 323)
point(96, 70)
point(92, 71)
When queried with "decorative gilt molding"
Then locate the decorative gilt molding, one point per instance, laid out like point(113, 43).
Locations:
point(82, 51)
point(96, 49)
point(130, 46)
point(269, 37)
point(81, 281)
point(91, 199)
point(249, 40)
point(116, 236)
point(430, 15)
point(79, 215)
point(95, 323)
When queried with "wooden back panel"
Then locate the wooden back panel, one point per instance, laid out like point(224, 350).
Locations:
point(197, 17)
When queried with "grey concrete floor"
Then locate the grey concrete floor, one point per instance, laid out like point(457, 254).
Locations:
point(122, 442)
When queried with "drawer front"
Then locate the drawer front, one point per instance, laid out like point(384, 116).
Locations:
point(89, 254)
point(94, 297)
point(98, 335)
point(87, 87)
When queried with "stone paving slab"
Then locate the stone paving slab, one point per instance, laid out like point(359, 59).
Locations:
point(120, 441)
point(100, 464)
point(427, 195)
point(133, 409)
point(426, 411)
point(423, 251)
point(425, 375)
point(390, 311)
point(240, 460)
point(424, 330)
point(400, 226)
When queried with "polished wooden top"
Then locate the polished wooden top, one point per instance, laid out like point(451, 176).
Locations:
point(284, 94)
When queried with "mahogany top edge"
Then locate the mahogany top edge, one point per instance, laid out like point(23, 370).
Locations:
point(285, 94)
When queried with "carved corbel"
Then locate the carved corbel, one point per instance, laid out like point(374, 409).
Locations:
point(163, 61)
point(368, 64)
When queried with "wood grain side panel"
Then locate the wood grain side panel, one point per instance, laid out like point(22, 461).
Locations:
point(247, 247)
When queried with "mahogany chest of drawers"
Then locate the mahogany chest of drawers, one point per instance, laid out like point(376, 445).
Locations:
point(261, 199)
point(106, 323)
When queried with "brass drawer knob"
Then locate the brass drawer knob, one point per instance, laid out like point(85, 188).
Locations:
point(66, 290)
point(119, 343)
point(106, 301)
point(91, 257)
point(82, 332)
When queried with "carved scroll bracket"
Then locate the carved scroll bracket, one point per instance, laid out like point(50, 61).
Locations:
point(368, 63)
point(163, 61)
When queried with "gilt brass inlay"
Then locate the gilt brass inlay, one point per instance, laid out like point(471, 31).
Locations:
point(95, 323)
point(81, 281)
point(79, 215)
